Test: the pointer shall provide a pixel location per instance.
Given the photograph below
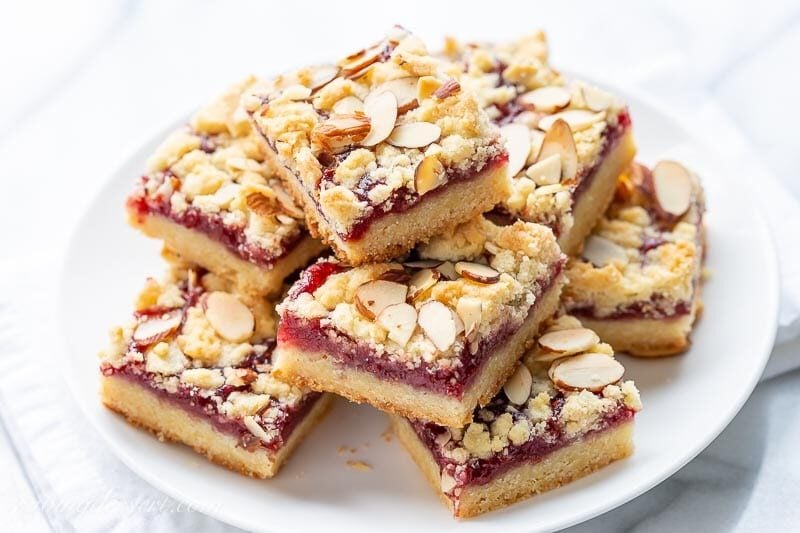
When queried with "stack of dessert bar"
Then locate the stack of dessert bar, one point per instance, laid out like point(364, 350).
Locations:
point(490, 241)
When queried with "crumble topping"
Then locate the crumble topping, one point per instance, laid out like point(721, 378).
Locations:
point(464, 285)
point(215, 166)
point(539, 403)
point(523, 94)
point(180, 341)
point(356, 133)
point(638, 253)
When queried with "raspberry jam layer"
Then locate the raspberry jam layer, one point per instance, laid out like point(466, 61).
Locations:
point(213, 225)
point(311, 336)
point(483, 471)
point(611, 138)
point(657, 308)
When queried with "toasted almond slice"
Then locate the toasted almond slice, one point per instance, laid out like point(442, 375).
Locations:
point(414, 135)
point(341, 130)
point(578, 119)
point(229, 317)
point(448, 270)
point(470, 311)
point(546, 99)
point(398, 276)
point(596, 99)
point(448, 483)
point(357, 62)
point(421, 281)
point(157, 329)
point(287, 203)
point(559, 140)
point(400, 321)
point(590, 371)
point(673, 187)
point(448, 88)
point(262, 205)
point(382, 113)
point(518, 386)
point(428, 175)
point(458, 322)
point(537, 139)
point(374, 296)
point(477, 272)
point(404, 90)
point(569, 341)
point(423, 263)
point(348, 105)
point(437, 322)
point(546, 171)
point(323, 75)
point(518, 144)
point(600, 251)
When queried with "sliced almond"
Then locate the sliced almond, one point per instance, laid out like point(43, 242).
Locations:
point(428, 175)
point(404, 90)
point(518, 386)
point(578, 119)
point(157, 329)
point(354, 64)
point(437, 322)
point(518, 143)
point(470, 311)
point(597, 100)
point(448, 483)
point(448, 270)
point(348, 105)
point(448, 88)
point(569, 341)
point(546, 171)
point(458, 322)
point(423, 263)
point(537, 139)
point(443, 437)
point(590, 371)
point(400, 321)
point(323, 75)
point(262, 205)
point(673, 187)
point(421, 281)
point(414, 135)
point(287, 203)
point(477, 272)
point(342, 130)
point(546, 99)
point(600, 251)
point(374, 296)
point(559, 140)
point(229, 317)
point(398, 276)
point(382, 113)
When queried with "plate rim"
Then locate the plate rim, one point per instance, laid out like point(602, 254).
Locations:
point(772, 292)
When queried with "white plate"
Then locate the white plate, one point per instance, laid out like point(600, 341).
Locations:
point(688, 400)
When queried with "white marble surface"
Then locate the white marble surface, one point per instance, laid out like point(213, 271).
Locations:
point(85, 82)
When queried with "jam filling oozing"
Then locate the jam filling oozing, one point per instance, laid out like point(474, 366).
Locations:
point(657, 307)
point(311, 335)
point(212, 225)
point(483, 471)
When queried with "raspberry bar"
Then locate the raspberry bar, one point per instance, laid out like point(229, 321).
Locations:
point(211, 197)
point(380, 151)
point(563, 414)
point(637, 282)
point(567, 142)
point(194, 366)
point(431, 337)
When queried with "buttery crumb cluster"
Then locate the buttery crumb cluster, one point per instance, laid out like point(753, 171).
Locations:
point(215, 168)
point(192, 337)
point(647, 250)
point(569, 380)
point(464, 286)
point(378, 127)
point(555, 132)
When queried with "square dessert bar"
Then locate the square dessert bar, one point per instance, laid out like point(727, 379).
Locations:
point(567, 142)
point(431, 337)
point(563, 414)
point(381, 152)
point(211, 197)
point(637, 282)
point(194, 366)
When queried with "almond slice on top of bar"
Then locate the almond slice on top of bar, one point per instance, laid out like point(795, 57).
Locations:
point(212, 198)
point(637, 282)
point(194, 365)
point(564, 413)
point(382, 152)
point(567, 141)
point(430, 337)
